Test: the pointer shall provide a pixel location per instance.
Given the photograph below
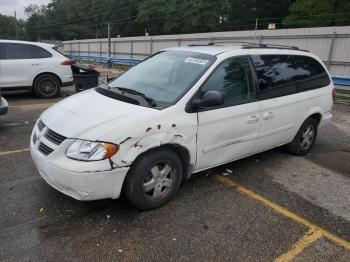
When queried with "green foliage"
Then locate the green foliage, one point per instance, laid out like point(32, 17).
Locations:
point(79, 19)
point(318, 13)
point(8, 28)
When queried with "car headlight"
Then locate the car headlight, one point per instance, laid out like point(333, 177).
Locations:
point(91, 151)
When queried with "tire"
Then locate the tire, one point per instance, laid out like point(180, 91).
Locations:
point(305, 138)
point(148, 189)
point(46, 86)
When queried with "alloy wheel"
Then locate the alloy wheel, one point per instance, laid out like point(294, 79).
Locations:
point(47, 86)
point(159, 181)
point(307, 137)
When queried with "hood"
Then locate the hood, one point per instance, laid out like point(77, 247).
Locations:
point(89, 115)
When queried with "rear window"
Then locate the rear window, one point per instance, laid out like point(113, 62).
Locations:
point(280, 75)
point(58, 51)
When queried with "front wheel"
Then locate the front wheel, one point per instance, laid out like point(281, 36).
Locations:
point(46, 86)
point(154, 179)
point(305, 138)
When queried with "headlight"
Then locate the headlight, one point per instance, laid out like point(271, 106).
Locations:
point(91, 151)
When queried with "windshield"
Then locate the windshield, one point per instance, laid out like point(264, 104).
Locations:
point(166, 76)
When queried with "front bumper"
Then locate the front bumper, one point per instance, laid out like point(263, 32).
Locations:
point(3, 106)
point(83, 185)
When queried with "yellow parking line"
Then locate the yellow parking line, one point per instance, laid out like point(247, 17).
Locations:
point(14, 151)
point(33, 105)
point(311, 236)
point(283, 211)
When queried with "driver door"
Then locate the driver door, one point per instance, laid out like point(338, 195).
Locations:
point(229, 131)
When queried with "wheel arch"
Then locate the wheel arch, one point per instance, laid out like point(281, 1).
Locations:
point(182, 152)
point(317, 117)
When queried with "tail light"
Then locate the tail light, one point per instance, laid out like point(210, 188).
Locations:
point(68, 62)
point(334, 94)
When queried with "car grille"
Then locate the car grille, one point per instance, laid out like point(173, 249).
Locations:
point(54, 137)
point(45, 149)
point(41, 125)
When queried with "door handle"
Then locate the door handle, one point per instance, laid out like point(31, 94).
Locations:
point(253, 118)
point(34, 64)
point(267, 115)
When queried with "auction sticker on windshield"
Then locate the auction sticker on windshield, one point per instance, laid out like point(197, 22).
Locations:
point(196, 61)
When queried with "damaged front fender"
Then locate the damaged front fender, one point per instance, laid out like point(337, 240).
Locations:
point(131, 147)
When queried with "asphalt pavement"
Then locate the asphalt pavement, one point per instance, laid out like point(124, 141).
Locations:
point(271, 206)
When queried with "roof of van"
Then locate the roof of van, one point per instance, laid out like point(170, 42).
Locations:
point(25, 42)
point(216, 49)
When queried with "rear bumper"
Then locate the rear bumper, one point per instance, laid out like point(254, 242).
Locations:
point(326, 119)
point(70, 83)
point(3, 106)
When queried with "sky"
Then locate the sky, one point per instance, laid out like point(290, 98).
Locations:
point(8, 7)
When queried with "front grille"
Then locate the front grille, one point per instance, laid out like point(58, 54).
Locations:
point(54, 137)
point(41, 125)
point(45, 149)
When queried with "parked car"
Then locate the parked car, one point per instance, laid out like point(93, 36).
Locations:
point(33, 66)
point(3, 105)
point(181, 111)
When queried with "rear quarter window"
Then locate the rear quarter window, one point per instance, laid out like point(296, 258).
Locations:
point(39, 52)
point(280, 75)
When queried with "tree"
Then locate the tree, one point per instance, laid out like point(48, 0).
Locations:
point(176, 16)
point(8, 27)
point(79, 19)
point(306, 13)
point(243, 13)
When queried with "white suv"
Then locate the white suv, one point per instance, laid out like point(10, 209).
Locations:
point(33, 66)
point(181, 111)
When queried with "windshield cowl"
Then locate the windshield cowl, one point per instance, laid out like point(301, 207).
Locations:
point(128, 97)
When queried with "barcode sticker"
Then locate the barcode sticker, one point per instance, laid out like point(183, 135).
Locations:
point(196, 61)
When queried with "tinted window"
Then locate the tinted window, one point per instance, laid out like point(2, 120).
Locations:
point(38, 52)
point(1, 51)
point(280, 75)
point(317, 77)
point(16, 51)
point(234, 80)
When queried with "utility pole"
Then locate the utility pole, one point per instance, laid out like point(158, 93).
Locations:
point(109, 28)
point(109, 39)
point(256, 26)
point(16, 28)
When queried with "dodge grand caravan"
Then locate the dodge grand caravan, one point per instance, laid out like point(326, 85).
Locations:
point(178, 112)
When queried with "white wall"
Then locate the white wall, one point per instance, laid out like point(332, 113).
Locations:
point(316, 40)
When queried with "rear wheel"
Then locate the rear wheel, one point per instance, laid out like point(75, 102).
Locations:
point(154, 179)
point(305, 138)
point(46, 86)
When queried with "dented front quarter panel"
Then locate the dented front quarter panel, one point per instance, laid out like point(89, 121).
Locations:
point(168, 126)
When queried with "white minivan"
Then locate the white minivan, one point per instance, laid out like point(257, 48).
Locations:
point(178, 112)
point(33, 66)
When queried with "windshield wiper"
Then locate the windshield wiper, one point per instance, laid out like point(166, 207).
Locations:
point(149, 100)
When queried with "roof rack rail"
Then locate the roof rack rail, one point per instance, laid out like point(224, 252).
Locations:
point(247, 45)
point(234, 42)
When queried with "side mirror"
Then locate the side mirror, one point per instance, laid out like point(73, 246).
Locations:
point(209, 99)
